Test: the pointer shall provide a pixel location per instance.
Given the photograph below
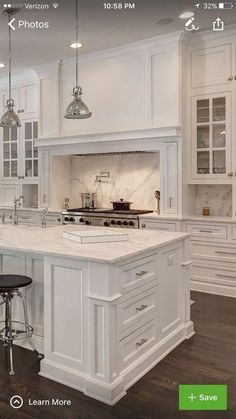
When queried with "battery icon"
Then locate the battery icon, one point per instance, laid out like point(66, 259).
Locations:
point(227, 5)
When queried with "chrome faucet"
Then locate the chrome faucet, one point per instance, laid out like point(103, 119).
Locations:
point(15, 213)
point(43, 217)
point(3, 217)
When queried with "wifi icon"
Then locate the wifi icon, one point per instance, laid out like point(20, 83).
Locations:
point(55, 5)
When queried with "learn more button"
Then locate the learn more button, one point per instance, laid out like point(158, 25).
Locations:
point(202, 397)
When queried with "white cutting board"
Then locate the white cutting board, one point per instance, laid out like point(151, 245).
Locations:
point(95, 236)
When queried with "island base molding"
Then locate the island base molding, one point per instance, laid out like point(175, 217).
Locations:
point(112, 393)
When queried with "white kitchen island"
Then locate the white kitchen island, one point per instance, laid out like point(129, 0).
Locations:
point(111, 310)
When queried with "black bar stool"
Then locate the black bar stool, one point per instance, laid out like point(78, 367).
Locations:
point(9, 289)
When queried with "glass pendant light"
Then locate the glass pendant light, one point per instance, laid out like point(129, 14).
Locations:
point(10, 119)
point(77, 109)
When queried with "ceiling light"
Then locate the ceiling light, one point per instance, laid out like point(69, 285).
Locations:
point(76, 45)
point(2, 65)
point(9, 119)
point(77, 109)
point(186, 15)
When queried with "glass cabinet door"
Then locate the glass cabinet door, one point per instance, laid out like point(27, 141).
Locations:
point(10, 152)
point(211, 131)
point(30, 151)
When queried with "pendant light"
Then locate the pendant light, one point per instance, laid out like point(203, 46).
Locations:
point(77, 109)
point(9, 119)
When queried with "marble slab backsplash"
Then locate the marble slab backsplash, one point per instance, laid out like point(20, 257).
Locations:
point(133, 176)
point(217, 197)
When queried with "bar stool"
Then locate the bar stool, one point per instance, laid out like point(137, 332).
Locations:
point(9, 289)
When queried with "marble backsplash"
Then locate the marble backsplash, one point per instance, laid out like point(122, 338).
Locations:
point(133, 177)
point(217, 197)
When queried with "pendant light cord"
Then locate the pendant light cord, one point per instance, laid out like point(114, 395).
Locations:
point(9, 73)
point(77, 40)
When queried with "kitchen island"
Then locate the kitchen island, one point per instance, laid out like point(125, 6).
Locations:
point(111, 310)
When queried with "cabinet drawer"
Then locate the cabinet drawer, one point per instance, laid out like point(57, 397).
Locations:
point(233, 233)
point(137, 308)
point(208, 230)
point(218, 274)
point(136, 344)
point(213, 252)
point(158, 225)
point(139, 273)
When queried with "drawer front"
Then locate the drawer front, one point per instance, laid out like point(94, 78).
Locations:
point(213, 252)
point(136, 344)
point(137, 308)
point(209, 231)
point(219, 275)
point(158, 225)
point(140, 272)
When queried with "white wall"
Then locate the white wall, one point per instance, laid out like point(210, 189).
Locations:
point(133, 177)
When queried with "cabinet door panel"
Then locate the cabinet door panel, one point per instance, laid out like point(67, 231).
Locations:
point(35, 269)
point(170, 178)
point(28, 99)
point(211, 66)
point(211, 135)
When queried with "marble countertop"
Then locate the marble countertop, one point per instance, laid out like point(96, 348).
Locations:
point(49, 241)
point(207, 218)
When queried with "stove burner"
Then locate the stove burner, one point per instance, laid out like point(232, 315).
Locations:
point(110, 211)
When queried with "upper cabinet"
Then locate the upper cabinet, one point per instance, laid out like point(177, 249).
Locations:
point(19, 156)
point(210, 104)
point(25, 99)
point(211, 136)
point(211, 66)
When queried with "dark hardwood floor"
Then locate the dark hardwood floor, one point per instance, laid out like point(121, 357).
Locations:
point(207, 358)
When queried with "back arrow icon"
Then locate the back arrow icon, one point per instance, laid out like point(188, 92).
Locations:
point(10, 24)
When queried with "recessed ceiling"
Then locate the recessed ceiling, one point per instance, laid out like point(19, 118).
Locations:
point(98, 28)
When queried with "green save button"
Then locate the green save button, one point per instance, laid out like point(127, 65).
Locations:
point(202, 397)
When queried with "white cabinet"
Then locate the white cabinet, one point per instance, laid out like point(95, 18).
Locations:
point(211, 136)
point(153, 224)
point(25, 99)
point(45, 178)
point(35, 269)
point(19, 157)
point(211, 66)
point(169, 162)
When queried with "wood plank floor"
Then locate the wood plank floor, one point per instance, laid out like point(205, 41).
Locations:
point(207, 358)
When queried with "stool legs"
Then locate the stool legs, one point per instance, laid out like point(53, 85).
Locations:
point(27, 327)
point(9, 333)
point(10, 339)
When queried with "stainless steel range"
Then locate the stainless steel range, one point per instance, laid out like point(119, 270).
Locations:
point(103, 217)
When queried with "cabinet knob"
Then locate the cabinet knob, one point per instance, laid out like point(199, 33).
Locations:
point(230, 174)
point(143, 225)
point(230, 78)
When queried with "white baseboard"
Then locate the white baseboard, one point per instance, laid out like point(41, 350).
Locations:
point(213, 288)
point(112, 393)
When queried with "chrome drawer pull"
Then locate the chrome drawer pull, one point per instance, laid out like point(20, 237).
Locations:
point(141, 273)
point(142, 307)
point(225, 253)
point(205, 231)
point(226, 276)
point(141, 342)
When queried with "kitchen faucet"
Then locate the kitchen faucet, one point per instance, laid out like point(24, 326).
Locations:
point(15, 213)
point(43, 217)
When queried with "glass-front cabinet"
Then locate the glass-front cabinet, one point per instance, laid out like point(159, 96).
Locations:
point(19, 155)
point(211, 136)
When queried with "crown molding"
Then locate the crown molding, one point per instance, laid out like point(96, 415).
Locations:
point(19, 79)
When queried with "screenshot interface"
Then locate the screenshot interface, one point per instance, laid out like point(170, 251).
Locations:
point(117, 209)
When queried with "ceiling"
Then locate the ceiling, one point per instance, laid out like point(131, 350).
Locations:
point(98, 28)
